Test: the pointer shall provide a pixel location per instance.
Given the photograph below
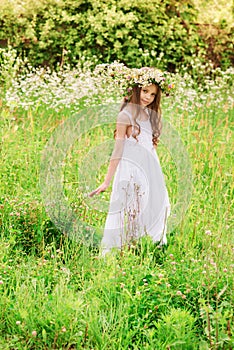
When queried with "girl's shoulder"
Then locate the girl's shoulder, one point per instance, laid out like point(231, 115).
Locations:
point(124, 116)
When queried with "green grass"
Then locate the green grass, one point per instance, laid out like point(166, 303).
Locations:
point(179, 297)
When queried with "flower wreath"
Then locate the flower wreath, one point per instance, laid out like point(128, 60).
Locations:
point(126, 78)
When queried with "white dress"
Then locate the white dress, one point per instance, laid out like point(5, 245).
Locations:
point(139, 203)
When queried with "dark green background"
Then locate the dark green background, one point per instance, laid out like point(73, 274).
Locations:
point(135, 32)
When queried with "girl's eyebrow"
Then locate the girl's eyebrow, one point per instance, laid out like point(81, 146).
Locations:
point(145, 89)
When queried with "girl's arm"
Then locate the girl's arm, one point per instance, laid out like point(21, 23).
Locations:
point(121, 130)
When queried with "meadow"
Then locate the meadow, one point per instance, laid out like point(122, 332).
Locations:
point(58, 292)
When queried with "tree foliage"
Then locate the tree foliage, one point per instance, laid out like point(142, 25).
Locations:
point(159, 32)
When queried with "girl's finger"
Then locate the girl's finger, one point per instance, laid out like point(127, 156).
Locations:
point(91, 194)
point(97, 191)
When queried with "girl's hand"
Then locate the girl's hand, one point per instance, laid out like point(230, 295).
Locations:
point(98, 190)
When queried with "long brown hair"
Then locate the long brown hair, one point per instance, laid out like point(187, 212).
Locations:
point(154, 110)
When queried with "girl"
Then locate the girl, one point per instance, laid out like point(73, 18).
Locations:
point(139, 203)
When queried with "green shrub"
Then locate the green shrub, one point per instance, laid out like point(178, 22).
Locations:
point(176, 330)
point(161, 33)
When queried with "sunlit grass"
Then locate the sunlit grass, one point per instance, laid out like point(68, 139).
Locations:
point(59, 294)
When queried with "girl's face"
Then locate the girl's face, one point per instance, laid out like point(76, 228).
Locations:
point(148, 94)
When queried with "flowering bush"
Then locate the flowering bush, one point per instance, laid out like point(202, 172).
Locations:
point(78, 87)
